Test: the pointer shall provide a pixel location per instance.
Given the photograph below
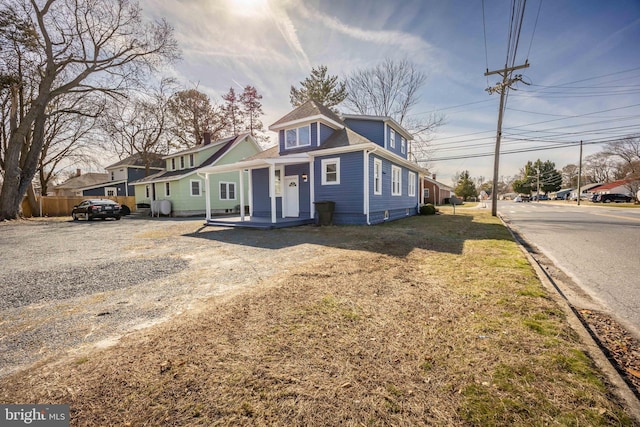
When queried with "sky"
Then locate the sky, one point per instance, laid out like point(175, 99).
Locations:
point(583, 79)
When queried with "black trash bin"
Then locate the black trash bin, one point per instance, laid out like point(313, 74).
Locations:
point(325, 212)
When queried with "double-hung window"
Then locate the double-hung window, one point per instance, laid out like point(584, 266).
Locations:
point(167, 189)
point(377, 176)
point(181, 162)
point(195, 187)
point(403, 145)
point(192, 163)
point(396, 181)
point(412, 184)
point(227, 191)
point(173, 163)
point(330, 171)
point(392, 138)
point(298, 137)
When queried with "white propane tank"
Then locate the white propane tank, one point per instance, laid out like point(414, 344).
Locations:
point(165, 207)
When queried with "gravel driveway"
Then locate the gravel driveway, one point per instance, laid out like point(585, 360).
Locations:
point(67, 285)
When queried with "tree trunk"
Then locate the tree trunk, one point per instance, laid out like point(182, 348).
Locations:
point(33, 201)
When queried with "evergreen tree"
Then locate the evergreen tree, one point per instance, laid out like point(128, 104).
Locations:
point(252, 109)
point(320, 87)
point(465, 188)
point(233, 113)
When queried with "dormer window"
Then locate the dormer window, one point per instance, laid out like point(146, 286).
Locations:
point(173, 164)
point(192, 162)
point(299, 137)
point(181, 162)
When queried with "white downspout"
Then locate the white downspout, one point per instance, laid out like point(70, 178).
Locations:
point(241, 179)
point(366, 183)
point(207, 197)
point(250, 189)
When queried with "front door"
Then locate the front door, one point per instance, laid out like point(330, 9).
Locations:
point(291, 198)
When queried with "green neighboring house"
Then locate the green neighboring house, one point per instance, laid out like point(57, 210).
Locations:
point(184, 188)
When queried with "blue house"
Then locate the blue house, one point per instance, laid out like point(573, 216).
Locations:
point(122, 174)
point(358, 162)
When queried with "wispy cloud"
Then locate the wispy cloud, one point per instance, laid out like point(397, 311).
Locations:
point(288, 31)
point(406, 42)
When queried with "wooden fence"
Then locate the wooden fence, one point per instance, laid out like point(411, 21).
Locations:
point(63, 205)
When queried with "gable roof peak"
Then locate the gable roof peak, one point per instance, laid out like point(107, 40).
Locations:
point(311, 109)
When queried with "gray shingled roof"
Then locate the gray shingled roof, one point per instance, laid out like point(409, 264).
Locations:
point(84, 180)
point(136, 160)
point(308, 109)
point(344, 138)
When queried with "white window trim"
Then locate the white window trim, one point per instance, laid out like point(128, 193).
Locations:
point(412, 184)
point(277, 190)
point(167, 189)
point(394, 170)
point(377, 189)
point(227, 184)
point(403, 145)
point(147, 191)
point(298, 145)
point(173, 163)
point(392, 138)
point(182, 162)
point(426, 193)
point(199, 187)
point(324, 163)
point(107, 189)
point(192, 161)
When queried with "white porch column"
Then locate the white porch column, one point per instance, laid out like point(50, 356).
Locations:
point(241, 174)
point(272, 191)
point(250, 189)
point(207, 196)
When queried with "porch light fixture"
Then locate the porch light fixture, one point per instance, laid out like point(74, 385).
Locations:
point(304, 177)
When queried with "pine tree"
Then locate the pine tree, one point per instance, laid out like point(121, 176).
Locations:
point(252, 109)
point(232, 110)
point(320, 87)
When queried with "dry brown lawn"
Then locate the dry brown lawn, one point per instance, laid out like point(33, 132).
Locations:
point(436, 320)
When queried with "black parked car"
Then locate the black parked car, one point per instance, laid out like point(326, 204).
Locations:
point(615, 198)
point(96, 208)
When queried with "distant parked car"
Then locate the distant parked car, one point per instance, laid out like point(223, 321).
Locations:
point(615, 198)
point(96, 208)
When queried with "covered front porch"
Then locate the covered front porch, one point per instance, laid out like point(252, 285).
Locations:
point(280, 191)
point(260, 223)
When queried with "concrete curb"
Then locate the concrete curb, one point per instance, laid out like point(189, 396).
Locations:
point(619, 386)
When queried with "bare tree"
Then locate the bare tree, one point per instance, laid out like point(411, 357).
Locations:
point(569, 175)
point(598, 167)
point(140, 127)
point(81, 46)
point(69, 137)
point(392, 89)
point(193, 114)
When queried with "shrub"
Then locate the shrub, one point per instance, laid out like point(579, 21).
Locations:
point(428, 209)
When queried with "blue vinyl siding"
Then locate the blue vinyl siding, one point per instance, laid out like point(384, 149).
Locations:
point(134, 174)
point(261, 199)
point(314, 134)
point(100, 191)
point(370, 129)
point(348, 195)
point(396, 205)
point(398, 148)
point(325, 133)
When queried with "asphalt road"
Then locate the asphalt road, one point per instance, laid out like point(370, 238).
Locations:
point(598, 247)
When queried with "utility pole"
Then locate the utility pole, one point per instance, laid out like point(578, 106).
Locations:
point(538, 190)
point(502, 88)
point(579, 174)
